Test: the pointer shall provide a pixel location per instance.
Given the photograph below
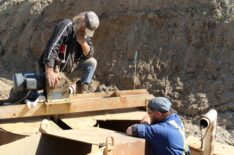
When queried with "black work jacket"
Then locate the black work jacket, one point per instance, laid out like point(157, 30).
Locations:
point(64, 34)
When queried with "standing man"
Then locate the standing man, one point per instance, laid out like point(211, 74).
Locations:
point(164, 131)
point(70, 47)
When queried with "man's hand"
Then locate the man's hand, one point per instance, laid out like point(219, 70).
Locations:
point(146, 120)
point(80, 38)
point(52, 77)
point(129, 130)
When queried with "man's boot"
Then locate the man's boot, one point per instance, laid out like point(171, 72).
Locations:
point(79, 88)
point(84, 88)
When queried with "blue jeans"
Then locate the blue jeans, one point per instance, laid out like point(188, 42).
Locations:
point(87, 68)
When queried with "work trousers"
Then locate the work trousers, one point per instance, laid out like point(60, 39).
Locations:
point(86, 67)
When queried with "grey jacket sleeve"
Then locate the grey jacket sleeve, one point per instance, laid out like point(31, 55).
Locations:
point(91, 52)
point(58, 36)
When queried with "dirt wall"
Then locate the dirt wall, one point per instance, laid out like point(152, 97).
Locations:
point(185, 47)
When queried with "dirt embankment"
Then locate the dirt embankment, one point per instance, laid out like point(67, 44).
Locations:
point(185, 48)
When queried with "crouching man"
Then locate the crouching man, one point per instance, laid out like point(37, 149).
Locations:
point(69, 48)
point(164, 131)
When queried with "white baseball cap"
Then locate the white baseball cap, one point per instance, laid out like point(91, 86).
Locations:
point(91, 23)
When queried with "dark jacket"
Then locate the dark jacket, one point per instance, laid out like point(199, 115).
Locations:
point(64, 34)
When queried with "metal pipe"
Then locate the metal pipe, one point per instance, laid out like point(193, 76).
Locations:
point(208, 123)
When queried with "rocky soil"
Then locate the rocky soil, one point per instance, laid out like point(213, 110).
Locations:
point(185, 49)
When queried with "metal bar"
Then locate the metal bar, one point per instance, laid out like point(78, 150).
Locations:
point(75, 105)
point(110, 94)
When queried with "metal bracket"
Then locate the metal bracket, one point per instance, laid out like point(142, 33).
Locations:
point(109, 146)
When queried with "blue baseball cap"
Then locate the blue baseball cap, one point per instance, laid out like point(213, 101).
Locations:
point(160, 104)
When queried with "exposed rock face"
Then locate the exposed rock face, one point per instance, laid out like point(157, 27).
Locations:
point(185, 47)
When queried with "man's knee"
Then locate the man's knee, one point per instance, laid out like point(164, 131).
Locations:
point(93, 62)
point(87, 64)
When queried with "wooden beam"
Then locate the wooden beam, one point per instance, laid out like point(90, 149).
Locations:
point(112, 141)
point(110, 94)
point(92, 135)
point(26, 127)
point(76, 105)
point(89, 120)
point(83, 141)
point(25, 146)
point(41, 144)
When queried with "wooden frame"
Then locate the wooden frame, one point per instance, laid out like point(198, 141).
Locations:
point(80, 103)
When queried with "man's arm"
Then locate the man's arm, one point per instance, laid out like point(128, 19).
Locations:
point(51, 52)
point(86, 45)
point(60, 33)
point(132, 130)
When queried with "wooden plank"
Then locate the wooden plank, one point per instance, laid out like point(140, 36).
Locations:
point(41, 144)
point(93, 135)
point(129, 115)
point(17, 111)
point(118, 143)
point(76, 123)
point(110, 103)
point(26, 128)
point(8, 137)
point(25, 146)
point(110, 94)
point(48, 125)
point(13, 130)
point(89, 119)
point(75, 105)
point(97, 104)
point(74, 142)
